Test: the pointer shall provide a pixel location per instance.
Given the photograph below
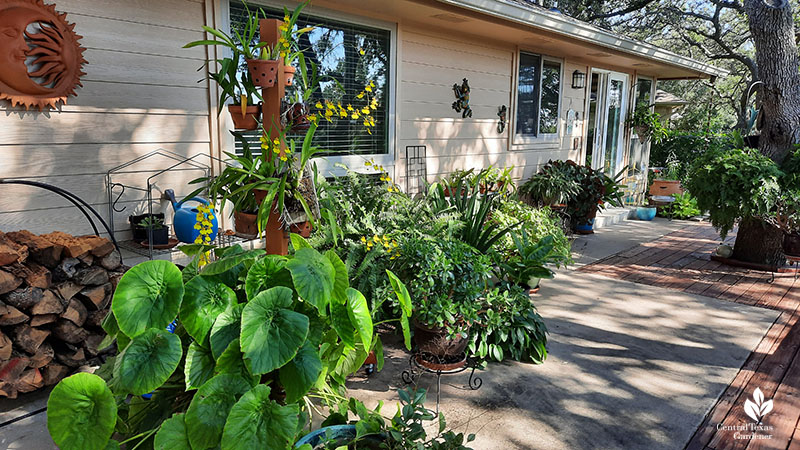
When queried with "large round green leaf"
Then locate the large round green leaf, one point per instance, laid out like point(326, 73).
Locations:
point(81, 413)
point(172, 434)
point(267, 272)
point(147, 361)
point(358, 310)
point(226, 328)
point(199, 366)
point(340, 320)
point(341, 278)
point(232, 361)
point(272, 334)
point(256, 422)
point(313, 276)
point(209, 409)
point(228, 262)
point(299, 374)
point(203, 301)
point(147, 296)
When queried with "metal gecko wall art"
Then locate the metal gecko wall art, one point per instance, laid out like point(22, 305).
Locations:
point(461, 105)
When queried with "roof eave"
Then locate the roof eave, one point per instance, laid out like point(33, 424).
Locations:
point(575, 29)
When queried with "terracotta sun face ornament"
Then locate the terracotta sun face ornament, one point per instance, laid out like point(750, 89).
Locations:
point(40, 55)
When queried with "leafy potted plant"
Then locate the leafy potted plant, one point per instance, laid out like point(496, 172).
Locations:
point(288, 49)
point(528, 264)
point(138, 231)
point(647, 124)
point(254, 335)
point(241, 89)
point(157, 233)
point(554, 186)
point(446, 278)
point(406, 430)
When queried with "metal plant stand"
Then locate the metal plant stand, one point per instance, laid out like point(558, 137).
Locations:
point(439, 367)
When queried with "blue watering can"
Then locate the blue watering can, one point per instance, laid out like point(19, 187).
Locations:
point(186, 218)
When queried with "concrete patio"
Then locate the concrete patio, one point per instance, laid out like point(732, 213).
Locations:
point(630, 365)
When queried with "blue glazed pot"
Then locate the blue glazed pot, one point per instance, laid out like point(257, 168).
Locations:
point(646, 212)
point(585, 227)
point(341, 433)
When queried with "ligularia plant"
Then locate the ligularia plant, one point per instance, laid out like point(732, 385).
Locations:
point(253, 337)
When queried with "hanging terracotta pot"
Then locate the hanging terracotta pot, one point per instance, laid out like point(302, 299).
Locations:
point(289, 71)
point(264, 72)
point(296, 115)
point(301, 228)
point(245, 224)
point(246, 121)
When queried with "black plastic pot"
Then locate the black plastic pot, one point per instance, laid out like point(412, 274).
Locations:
point(791, 244)
point(158, 236)
point(139, 232)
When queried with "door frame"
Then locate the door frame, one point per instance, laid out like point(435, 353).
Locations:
point(601, 117)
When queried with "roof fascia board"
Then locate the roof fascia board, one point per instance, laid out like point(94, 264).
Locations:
point(566, 26)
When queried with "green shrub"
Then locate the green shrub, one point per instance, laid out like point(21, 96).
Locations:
point(685, 206)
point(536, 222)
point(679, 149)
point(509, 326)
point(735, 184)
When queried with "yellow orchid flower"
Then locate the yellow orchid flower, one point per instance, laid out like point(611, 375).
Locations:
point(318, 105)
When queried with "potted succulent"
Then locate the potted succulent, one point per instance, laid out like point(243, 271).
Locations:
point(156, 232)
point(255, 336)
point(139, 232)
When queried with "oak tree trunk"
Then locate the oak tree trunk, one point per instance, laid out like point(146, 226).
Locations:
point(772, 29)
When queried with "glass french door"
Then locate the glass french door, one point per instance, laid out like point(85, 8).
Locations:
point(607, 106)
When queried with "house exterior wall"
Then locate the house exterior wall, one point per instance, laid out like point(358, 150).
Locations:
point(429, 65)
point(140, 93)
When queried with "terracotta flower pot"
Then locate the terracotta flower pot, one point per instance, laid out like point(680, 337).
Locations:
point(666, 187)
point(250, 119)
point(302, 228)
point(264, 72)
point(289, 71)
point(245, 223)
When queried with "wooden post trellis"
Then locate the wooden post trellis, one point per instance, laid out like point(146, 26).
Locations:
point(277, 238)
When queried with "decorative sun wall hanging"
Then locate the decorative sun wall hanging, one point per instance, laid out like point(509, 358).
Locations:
point(40, 55)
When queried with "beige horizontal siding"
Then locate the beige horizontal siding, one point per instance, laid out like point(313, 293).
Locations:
point(140, 93)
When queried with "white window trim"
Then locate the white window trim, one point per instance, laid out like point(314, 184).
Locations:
point(548, 139)
point(327, 165)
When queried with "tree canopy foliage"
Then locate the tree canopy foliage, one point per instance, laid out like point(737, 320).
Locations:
point(715, 31)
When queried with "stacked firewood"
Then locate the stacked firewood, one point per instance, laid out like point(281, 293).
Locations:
point(55, 290)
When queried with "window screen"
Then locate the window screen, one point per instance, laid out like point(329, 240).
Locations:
point(351, 54)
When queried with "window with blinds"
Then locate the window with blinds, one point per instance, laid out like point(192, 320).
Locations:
point(351, 54)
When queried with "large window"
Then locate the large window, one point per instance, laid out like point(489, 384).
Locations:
point(351, 54)
point(538, 95)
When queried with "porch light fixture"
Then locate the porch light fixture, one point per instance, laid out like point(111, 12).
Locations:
point(578, 80)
